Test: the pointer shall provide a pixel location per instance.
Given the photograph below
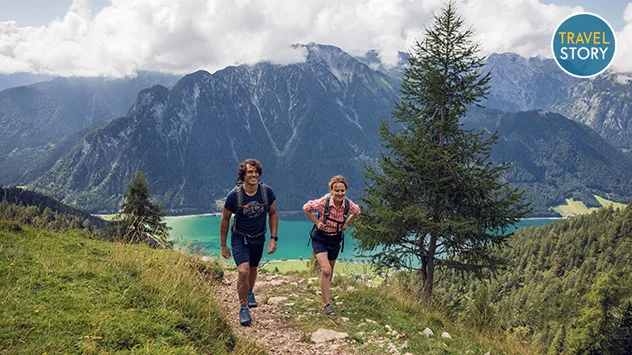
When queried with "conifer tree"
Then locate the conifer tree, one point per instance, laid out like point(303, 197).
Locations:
point(141, 219)
point(436, 199)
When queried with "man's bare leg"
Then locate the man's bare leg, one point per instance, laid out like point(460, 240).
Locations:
point(243, 282)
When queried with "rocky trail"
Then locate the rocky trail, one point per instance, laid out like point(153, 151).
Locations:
point(274, 329)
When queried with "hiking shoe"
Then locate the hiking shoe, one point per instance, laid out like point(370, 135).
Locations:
point(331, 298)
point(328, 310)
point(244, 316)
point(252, 302)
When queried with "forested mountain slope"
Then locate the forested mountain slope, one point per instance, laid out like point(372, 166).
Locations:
point(567, 284)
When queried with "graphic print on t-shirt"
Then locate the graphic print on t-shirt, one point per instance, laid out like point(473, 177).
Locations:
point(253, 209)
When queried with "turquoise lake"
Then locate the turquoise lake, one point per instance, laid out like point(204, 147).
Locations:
point(201, 233)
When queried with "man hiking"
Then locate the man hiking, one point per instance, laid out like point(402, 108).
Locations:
point(250, 201)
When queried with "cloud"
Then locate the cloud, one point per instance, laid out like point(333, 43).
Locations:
point(183, 36)
point(623, 57)
point(524, 27)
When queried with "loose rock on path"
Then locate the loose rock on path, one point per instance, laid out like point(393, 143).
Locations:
point(272, 329)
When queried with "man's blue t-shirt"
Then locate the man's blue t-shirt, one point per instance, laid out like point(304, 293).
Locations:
point(251, 219)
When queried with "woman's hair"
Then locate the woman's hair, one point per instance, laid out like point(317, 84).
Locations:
point(336, 179)
point(241, 172)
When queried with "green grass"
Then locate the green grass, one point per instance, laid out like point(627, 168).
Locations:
point(297, 266)
point(367, 310)
point(573, 207)
point(66, 293)
point(607, 203)
point(108, 217)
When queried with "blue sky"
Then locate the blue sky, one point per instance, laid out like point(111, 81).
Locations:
point(119, 37)
point(611, 11)
point(38, 12)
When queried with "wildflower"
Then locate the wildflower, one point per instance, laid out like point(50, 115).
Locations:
point(36, 311)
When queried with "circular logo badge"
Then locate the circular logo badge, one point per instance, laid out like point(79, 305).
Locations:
point(583, 45)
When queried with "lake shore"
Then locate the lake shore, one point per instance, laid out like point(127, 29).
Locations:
point(214, 214)
point(281, 214)
point(217, 214)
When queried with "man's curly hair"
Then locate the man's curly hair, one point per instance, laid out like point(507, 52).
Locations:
point(241, 172)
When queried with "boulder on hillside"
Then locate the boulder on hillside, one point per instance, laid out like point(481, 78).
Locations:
point(326, 335)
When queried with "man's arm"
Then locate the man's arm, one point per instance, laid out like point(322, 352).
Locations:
point(274, 227)
point(223, 233)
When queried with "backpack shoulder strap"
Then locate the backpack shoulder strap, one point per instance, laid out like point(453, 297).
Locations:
point(347, 205)
point(327, 208)
point(240, 205)
point(264, 193)
point(240, 196)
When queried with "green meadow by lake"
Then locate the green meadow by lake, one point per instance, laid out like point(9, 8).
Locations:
point(201, 233)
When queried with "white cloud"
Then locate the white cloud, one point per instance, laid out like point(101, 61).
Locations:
point(184, 36)
point(523, 26)
point(623, 57)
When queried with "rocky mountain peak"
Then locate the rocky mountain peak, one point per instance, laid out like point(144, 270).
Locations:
point(339, 63)
point(149, 97)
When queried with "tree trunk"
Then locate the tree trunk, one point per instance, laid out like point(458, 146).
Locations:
point(424, 276)
point(428, 268)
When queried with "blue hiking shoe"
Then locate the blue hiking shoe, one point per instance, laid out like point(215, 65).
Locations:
point(328, 310)
point(244, 316)
point(252, 302)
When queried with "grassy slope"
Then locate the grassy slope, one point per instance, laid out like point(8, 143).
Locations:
point(367, 308)
point(573, 207)
point(297, 266)
point(67, 293)
point(63, 292)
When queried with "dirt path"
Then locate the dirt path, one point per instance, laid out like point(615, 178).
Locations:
point(272, 328)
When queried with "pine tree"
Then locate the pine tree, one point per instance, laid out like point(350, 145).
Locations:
point(598, 330)
point(622, 344)
point(437, 200)
point(142, 220)
point(557, 345)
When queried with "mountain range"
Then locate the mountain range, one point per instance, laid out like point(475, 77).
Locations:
point(553, 158)
point(603, 103)
point(40, 122)
point(305, 122)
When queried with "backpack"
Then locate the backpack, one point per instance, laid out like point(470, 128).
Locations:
point(240, 206)
point(325, 218)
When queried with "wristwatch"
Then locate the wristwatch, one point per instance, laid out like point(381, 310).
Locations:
point(274, 237)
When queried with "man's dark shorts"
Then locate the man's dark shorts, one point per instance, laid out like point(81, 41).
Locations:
point(251, 252)
point(323, 243)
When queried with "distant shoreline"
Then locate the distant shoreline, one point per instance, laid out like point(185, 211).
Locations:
point(528, 218)
point(214, 214)
point(281, 214)
point(218, 214)
point(292, 213)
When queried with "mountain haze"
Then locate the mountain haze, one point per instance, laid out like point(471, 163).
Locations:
point(8, 81)
point(40, 122)
point(604, 103)
point(553, 158)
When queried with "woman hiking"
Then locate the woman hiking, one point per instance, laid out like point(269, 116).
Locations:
point(335, 215)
